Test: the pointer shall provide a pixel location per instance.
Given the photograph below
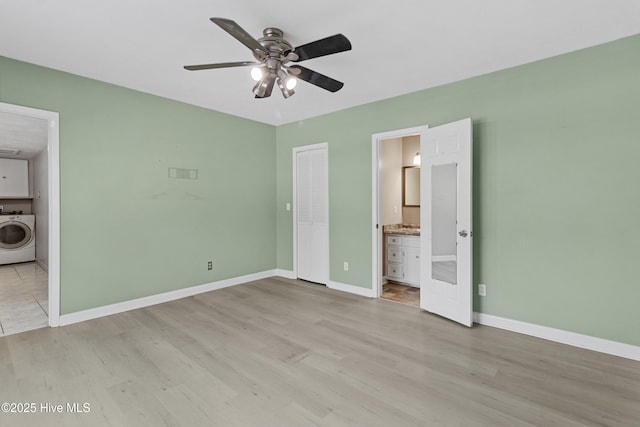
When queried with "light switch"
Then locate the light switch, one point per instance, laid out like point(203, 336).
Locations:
point(288, 206)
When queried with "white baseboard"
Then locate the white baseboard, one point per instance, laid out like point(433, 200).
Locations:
point(565, 337)
point(42, 265)
point(287, 274)
point(107, 310)
point(364, 292)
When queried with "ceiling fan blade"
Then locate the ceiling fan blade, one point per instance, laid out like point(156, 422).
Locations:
point(220, 65)
point(317, 79)
point(326, 46)
point(239, 33)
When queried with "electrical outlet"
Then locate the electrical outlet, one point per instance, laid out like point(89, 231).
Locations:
point(210, 265)
point(482, 290)
point(346, 266)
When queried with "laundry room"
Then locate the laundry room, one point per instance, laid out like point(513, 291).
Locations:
point(24, 215)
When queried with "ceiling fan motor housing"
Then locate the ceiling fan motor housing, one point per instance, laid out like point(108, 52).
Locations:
point(273, 42)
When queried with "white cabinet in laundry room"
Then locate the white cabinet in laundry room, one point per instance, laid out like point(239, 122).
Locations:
point(14, 178)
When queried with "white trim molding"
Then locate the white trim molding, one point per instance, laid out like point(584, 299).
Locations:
point(614, 348)
point(376, 220)
point(357, 290)
point(287, 274)
point(53, 179)
point(120, 307)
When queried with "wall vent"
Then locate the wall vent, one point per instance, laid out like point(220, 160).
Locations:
point(9, 151)
point(179, 173)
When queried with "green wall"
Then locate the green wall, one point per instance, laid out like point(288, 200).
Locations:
point(555, 186)
point(127, 230)
point(555, 176)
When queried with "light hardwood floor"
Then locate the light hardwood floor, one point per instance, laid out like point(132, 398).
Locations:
point(278, 352)
point(23, 298)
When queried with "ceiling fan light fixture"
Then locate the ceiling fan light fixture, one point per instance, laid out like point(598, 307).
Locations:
point(259, 89)
point(263, 88)
point(291, 82)
point(286, 82)
point(284, 88)
point(257, 74)
point(416, 159)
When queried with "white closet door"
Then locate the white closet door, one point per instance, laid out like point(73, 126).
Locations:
point(312, 201)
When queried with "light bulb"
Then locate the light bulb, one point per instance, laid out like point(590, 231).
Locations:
point(256, 73)
point(291, 83)
point(416, 159)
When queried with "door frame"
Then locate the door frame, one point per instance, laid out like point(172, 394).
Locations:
point(376, 227)
point(294, 208)
point(53, 141)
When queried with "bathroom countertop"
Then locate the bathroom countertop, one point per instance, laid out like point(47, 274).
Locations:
point(403, 229)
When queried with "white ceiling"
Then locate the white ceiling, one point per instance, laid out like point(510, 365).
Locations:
point(398, 46)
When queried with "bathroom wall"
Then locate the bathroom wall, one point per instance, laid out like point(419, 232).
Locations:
point(410, 146)
point(396, 153)
point(391, 181)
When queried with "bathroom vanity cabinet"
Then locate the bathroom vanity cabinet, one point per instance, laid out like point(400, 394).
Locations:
point(403, 259)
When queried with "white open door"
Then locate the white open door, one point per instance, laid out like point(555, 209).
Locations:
point(446, 239)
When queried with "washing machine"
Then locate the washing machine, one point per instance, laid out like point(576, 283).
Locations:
point(17, 238)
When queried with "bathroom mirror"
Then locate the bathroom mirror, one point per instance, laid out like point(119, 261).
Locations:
point(411, 186)
point(444, 206)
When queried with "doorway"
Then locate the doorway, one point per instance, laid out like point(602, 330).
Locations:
point(439, 261)
point(31, 288)
point(399, 201)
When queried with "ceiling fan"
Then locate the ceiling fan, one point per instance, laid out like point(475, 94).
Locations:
point(273, 54)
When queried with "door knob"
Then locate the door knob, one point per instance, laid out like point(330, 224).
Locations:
point(463, 233)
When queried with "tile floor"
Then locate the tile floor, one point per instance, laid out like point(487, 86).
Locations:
point(401, 293)
point(23, 298)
